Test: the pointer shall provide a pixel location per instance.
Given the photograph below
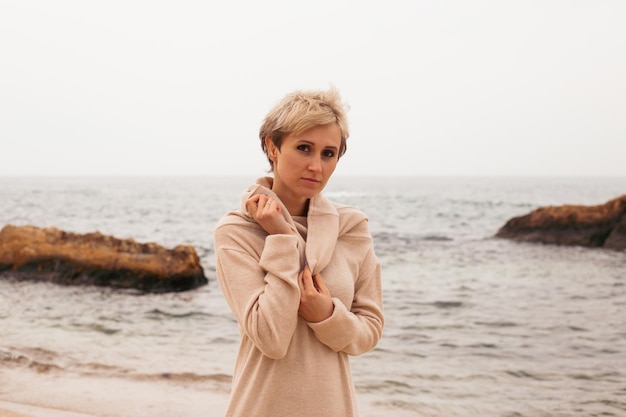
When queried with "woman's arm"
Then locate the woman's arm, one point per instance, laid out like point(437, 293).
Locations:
point(261, 289)
point(357, 329)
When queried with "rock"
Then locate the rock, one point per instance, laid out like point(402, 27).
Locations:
point(617, 238)
point(32, 253)
point(592, 226)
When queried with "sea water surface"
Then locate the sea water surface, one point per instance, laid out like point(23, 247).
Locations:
point(475, 326)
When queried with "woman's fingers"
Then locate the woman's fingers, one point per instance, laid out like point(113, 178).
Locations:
point(263, 204)
point(315, 301)
point(306, 280)
point(310, 282)
point(266, 211)
point(259, 201)
point(268, 205)
point(252, 204)
point(320, 285)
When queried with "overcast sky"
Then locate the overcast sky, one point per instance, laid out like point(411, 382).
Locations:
point(437, 87)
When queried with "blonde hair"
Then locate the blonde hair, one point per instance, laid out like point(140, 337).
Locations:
point(302, 110)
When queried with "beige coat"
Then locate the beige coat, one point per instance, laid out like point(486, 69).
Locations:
point(285, 365)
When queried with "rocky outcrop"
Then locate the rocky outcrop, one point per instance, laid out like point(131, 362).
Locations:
point(593, 226)
point(32, 253)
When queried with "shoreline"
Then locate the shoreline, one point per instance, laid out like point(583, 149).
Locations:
point(67, 394)
point(14, 409)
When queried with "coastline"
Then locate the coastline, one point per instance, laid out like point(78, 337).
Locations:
point(12, 409)
point(25, 392)
point(466, 314)
point(28, 393)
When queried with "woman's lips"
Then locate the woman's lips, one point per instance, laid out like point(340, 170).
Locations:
point(311, 180)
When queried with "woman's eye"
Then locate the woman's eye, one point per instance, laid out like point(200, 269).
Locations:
point(328, 154)
point(304, 148)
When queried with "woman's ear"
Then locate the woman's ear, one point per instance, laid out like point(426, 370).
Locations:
point(272, 150)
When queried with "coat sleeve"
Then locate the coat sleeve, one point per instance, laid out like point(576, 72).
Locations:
point(260, 283)
point(357, 328)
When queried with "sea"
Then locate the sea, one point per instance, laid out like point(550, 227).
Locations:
point(475, 325)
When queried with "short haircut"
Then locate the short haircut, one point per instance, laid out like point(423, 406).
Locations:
point(303, 110)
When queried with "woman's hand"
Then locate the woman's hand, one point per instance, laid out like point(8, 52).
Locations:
point(315, 302)
point(266, 211)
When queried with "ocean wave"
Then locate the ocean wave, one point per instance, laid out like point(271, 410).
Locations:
point(529, 375)
point(490, 203)
point(448, 304)
point(600, 376)
point(46, 361)
point(387, 243)
point(157, 314)
point(437, 238)
point(37, 359)
point(497, 324)
point(95, 327)
point(186, 377)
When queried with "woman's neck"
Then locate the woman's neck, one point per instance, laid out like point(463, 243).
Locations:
point(297, 209)
point(296, 205)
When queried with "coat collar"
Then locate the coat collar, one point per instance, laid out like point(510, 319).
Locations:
point(322, 220)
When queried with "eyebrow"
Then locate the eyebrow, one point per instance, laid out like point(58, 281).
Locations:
point(308, 142)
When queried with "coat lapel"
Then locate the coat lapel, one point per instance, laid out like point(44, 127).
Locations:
point(323, 229)
point(322, 224)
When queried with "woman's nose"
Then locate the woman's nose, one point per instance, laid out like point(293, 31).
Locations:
point(315, 164)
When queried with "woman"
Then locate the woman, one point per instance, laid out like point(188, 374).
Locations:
point(299, 271)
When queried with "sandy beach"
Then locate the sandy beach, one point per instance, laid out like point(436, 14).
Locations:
point(9, 409)
point(28, 393)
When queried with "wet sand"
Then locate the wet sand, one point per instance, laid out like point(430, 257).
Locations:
point(27, 393)
point(9, 409)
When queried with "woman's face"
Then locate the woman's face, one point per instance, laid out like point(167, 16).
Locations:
point(304, 164)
